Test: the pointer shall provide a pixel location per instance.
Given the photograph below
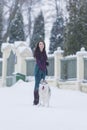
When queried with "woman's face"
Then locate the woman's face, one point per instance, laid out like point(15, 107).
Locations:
point(41, 46)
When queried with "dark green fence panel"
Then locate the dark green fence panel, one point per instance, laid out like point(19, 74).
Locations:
point(30, 65)
point(50, 68)
point(68, 68)
point(85, 68)
point(0, 68)
point(10, 69)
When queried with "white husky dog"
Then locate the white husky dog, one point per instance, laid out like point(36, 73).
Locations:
point(44, 93)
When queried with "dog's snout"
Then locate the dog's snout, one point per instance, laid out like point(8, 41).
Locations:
point(43, 87)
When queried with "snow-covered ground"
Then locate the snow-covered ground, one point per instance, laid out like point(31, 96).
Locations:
point(67, 111)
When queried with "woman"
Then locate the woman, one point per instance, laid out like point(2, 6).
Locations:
point(40, 68)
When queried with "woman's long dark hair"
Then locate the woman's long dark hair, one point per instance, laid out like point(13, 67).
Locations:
point(37, 49)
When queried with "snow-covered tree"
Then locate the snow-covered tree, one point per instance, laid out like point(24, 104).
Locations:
point(76, 29)
point(10, 8)
point(38, 31)
point(1, 24)
point(29, 8)
point(56, 38)
point(17, 28)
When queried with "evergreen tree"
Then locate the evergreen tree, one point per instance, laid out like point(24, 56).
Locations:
point(56, 38)
point(17, 28)
point(1, 24)
point(38, 31)
point(76, 29)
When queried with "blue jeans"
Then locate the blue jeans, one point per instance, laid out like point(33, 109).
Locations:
point(39, 74)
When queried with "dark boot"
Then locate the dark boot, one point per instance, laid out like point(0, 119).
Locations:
point(36, 97)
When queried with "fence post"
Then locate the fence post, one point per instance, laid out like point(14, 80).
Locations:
point(6, 49)
point(80, 66)
point(57, 64)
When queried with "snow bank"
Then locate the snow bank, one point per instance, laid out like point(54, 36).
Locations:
point(67, 111)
